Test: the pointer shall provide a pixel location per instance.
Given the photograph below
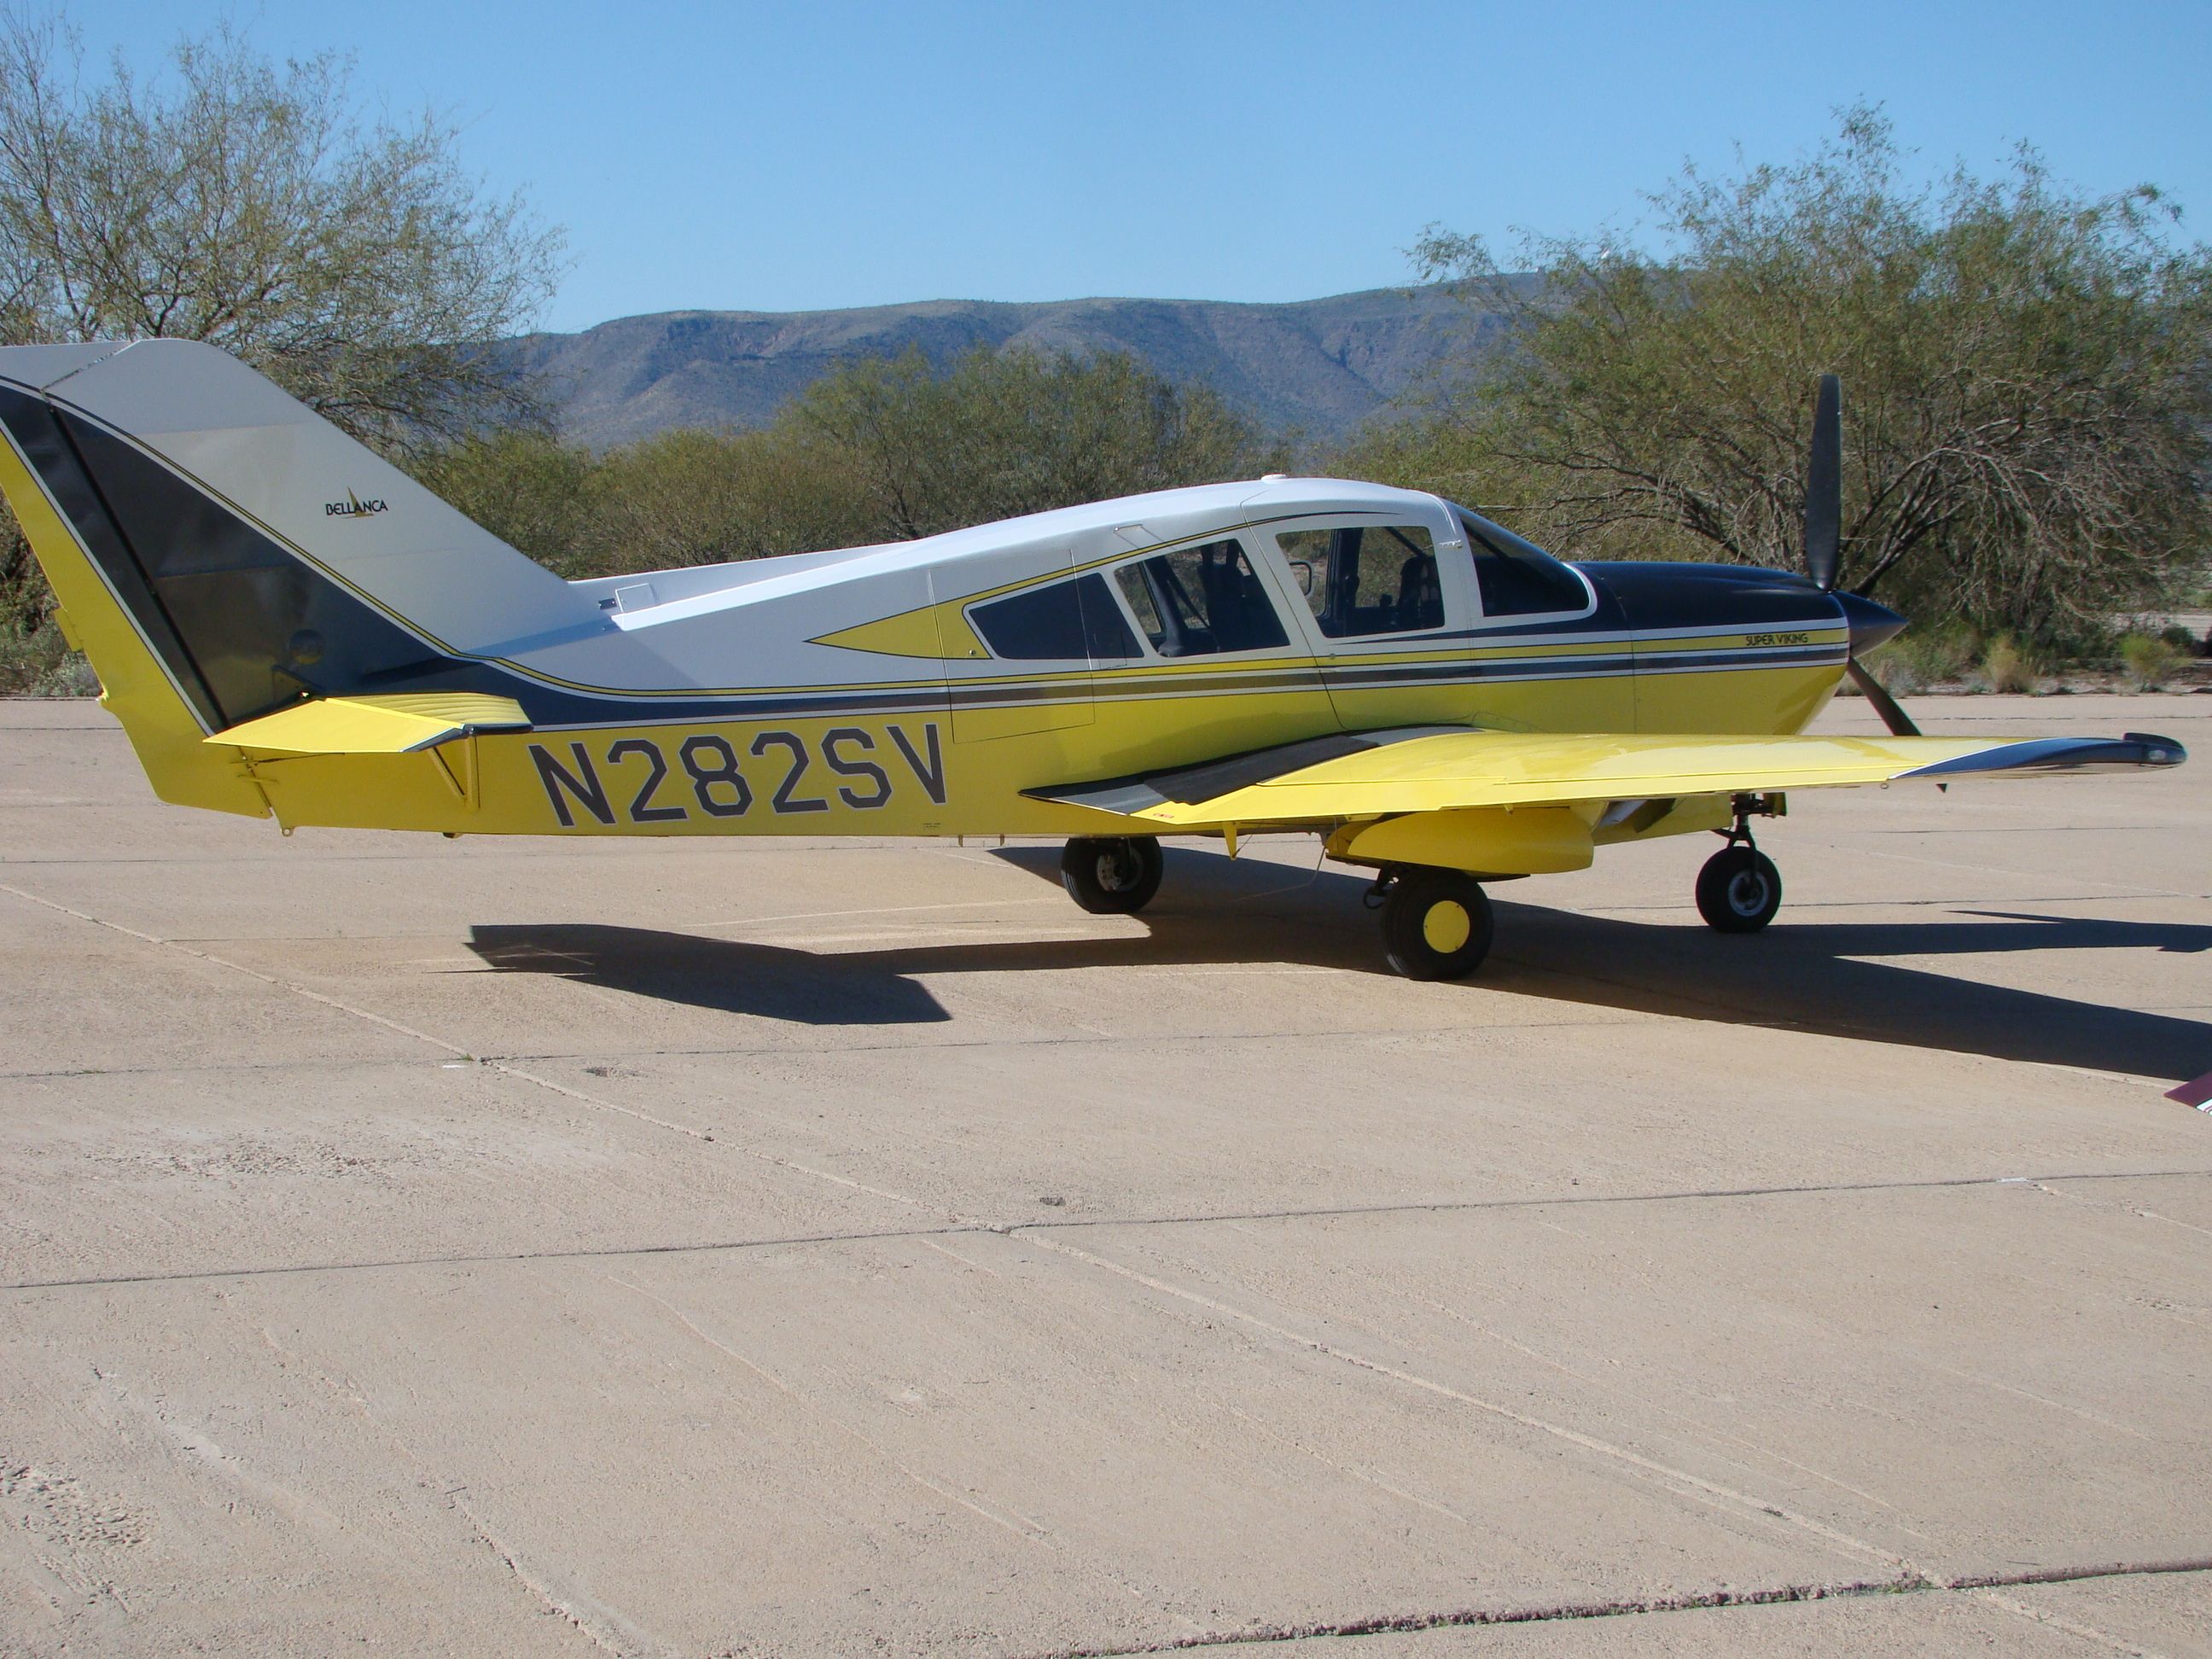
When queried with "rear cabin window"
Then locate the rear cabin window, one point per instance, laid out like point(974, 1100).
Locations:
point(1060, 621)
point(1367, 578)
point(1518, 578)
point(1200, 600)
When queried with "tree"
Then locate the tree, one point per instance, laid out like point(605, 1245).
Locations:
point(524, 485)
point(1016, 431)
point(694, 497)
point(881, 449)
point(356, 265)
point(2026, 395)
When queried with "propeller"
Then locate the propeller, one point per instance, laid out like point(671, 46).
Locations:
point(1824, 540)
point(1824, 486)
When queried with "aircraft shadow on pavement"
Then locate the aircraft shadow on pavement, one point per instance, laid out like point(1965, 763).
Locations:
point(1810, 976)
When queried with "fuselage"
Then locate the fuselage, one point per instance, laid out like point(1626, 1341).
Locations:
point(930, 688)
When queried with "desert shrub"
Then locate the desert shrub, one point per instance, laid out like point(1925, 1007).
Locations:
point(1920, 658)
point(37, 662)
point(2150, 660)
point(1898, 672)
point(2006, 666)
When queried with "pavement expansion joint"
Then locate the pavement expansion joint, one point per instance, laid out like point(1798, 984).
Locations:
point(1446, 1206)
point(1704, 1600)
point(957, 1224)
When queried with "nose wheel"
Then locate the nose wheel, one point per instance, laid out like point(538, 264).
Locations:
point(1739, 890)
point(1112, 875)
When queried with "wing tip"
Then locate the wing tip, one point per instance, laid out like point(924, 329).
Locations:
point(2129, 752)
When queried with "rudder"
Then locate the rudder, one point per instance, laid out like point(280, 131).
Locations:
point(159, 714)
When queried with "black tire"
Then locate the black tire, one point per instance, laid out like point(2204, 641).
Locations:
point(1436, 923)
point(1112, 875)
point(1739, 890)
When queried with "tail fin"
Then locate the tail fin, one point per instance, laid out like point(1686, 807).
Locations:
point(220, 551)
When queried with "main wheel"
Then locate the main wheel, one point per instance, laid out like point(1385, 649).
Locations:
point(1436, 923)
point(1111, 875)
point(1739, 890)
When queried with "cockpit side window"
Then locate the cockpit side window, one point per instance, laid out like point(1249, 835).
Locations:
point(1199, 600)
point(1060, 621)
point(1519, 579)
point(1365, 579)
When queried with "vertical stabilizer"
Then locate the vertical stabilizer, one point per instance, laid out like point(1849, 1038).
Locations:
point(290, 473)
point(220, 550)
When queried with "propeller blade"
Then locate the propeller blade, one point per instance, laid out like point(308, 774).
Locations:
point(1892, 716)
point(1824, 486)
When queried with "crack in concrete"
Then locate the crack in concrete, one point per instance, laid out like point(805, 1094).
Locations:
point(2036, 1615)
point(2136, 1210)
point(213, 960)
point(1683, 1481)
point(1004, 1517)
point(1384, 1285)
point(601, 1625)
point(543, 1594)
point(1629, 1606)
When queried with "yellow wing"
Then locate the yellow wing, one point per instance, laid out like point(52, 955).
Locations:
point(394, 725)
point(1521, 802)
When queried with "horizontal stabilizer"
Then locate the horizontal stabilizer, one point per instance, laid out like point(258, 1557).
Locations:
point(395, 725)
point(1379, 774)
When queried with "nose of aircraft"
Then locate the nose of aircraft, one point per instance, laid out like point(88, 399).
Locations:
point(1871, 625)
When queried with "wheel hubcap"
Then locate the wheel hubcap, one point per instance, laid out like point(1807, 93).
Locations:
point(1746, 893)
point(1447, 927)
point(1111, 876)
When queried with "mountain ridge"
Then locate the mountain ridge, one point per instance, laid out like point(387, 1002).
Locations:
point(1319, 367)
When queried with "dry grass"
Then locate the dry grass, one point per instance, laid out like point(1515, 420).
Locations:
point(2006, 667)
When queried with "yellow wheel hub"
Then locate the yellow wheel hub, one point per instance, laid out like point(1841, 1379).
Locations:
point(1446, 926)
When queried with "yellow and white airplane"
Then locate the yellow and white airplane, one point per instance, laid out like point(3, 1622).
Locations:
point(287, 625)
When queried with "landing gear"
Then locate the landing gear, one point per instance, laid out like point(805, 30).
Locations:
point(1739, 890)
point(1111, 875)
point(1436, 923)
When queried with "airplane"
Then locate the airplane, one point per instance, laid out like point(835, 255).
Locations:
point(287, 626)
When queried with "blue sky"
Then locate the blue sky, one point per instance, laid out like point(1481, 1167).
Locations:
point(800, 156)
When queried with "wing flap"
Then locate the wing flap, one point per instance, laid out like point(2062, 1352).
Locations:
point(397, 724)
point(1433, 771)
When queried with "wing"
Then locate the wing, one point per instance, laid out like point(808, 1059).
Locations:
point(395, 725)
point(1376, 774)
point(1464, 798)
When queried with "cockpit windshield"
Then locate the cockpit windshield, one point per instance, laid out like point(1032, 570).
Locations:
point(1518, 577)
